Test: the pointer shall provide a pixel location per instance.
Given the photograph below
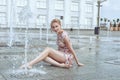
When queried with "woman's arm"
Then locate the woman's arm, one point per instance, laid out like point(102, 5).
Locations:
point(68, 44)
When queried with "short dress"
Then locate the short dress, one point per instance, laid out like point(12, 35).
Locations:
point(63, 48)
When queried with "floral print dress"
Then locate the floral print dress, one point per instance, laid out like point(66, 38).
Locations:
point(63, 48)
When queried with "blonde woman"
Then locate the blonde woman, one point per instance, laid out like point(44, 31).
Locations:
point(63, 57)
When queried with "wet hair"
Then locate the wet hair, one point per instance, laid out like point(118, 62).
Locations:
point(55, 21)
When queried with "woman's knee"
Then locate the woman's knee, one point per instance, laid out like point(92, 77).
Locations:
point(50, 50)
point(47, 48)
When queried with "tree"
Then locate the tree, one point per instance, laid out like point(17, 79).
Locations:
point(105, 19)
point(108, 20)
point(101, 19)
point(113, 20)
point(118, 20)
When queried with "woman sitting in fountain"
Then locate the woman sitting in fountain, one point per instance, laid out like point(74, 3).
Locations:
point(63, 57)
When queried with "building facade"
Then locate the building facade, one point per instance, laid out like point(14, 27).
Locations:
point(76, 14)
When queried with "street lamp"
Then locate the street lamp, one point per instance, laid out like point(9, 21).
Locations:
point(98, 14)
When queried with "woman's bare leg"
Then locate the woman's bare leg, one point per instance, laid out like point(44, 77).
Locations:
point(55, 63)
point(48, 52)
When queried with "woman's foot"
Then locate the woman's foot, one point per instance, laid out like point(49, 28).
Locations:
point(80, 64)
point(26, 66)
point(66, 65)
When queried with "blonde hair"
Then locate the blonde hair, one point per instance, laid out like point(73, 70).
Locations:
point(55, 21)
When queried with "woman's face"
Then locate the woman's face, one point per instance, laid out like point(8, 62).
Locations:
point(56, 27)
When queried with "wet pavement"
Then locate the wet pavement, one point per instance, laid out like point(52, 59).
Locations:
point(100, 56)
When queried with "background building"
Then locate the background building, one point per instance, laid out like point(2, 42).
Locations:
point(76, 14)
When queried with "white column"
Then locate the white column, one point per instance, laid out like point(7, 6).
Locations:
point(82, 13)
point(11, 20)
point(32, 20)
point(11, 13)
point(95, 15)
point(50, 15)
point(67, 12)
point(51, 10)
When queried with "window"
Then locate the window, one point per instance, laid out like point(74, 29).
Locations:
point(2, 2)
point(75, 6)
point(21, 2)
point(89, 0)
point(2, 18)
point(2, 8)
point(60, 18)
point(41, 20)
point(23, 14)
point(74, 21)
point(59, 4)
point(20, 22)
point(89, 8)
point(41, 4)
point(88, 21)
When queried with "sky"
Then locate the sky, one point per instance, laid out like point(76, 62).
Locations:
point(110, 9)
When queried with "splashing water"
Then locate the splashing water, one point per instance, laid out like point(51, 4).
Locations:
point(21, 73)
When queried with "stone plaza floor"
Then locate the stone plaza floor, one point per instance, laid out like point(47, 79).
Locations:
point(100, 56)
